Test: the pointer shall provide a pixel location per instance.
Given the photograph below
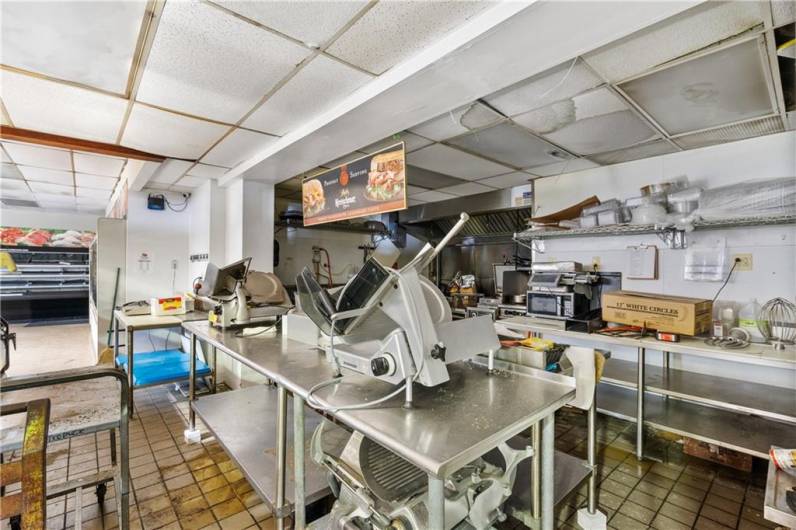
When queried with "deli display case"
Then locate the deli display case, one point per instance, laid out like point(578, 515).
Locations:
point(47, 283)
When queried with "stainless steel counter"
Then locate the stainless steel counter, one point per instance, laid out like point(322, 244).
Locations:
point(740, 415)
point(449, 426)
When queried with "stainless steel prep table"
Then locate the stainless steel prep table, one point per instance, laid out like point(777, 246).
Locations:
point(450, 425)
point(736, 414)
point(133, 323)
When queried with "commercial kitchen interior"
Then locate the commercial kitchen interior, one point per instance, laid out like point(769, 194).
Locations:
point(497, 264)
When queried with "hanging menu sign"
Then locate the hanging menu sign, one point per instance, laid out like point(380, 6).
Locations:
point(369, 185)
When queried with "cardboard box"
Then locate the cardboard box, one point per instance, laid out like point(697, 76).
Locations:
point(675, 314)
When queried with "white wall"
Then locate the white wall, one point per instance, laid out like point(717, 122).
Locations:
point(164, 236)
point(207, 227)
point(39, 218)
point(773, 248)
point(233, 221)
point(258, 224)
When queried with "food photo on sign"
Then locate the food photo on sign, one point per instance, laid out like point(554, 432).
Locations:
point(366, 186)
point(16, 236)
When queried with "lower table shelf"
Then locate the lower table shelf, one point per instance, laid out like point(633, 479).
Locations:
point(734, 430)
point(164, 366)
point(751, 398)
point(244, 423)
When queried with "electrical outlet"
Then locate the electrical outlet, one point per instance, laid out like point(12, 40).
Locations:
point(743, 262)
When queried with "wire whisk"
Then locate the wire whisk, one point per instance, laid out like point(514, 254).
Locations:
point(777, 322)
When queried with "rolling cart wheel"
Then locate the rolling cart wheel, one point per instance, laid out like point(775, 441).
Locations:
point(100, 491)
point(15, 522)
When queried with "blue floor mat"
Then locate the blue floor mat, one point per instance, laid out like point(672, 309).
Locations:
point(155, 367)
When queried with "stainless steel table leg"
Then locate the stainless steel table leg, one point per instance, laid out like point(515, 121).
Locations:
point(436, 503)
point(640, 404)
point(548, 471)
point(192, 383)
point(115, 340)
point(298, 462)
point(536, 471)
point(281, 455)
point(666, 360)
point(214, 368)
point(592, 454)
point(124, 464)
point(130, 356)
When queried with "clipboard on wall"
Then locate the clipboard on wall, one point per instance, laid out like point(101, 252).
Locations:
point(643, 262)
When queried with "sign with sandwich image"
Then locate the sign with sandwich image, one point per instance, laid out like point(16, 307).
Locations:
point(366, 186)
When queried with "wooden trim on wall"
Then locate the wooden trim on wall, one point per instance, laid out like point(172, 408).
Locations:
point(65, 142)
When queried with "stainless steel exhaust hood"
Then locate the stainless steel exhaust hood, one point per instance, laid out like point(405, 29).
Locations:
point(493, 218)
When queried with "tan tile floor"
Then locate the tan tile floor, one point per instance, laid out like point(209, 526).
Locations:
point(177, 485)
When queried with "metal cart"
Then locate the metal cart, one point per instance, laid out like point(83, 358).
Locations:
point(68, 391)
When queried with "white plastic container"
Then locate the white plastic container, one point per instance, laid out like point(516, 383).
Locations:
point(748, 317)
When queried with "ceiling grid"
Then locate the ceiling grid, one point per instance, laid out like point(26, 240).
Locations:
point(489, 143)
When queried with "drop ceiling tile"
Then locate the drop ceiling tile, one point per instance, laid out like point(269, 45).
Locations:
point(4, 155)
point(593, 122)
point(51, 198)
point(90, 201)
point(512, 145)
point(190, 182)
point(8, 193)
point(716, 89)
point(13, 185)
point(94, 181)
point(731, 133)
point(433, 196)
point(34, 155)
point(313, 23)
point(10, 171)
point(169, 134)
point(87, 42)
point(508, 180)
point(350, 157)
point(94, 194)
point(207, 63)
point(650, 149)
point(458, 121)
point(414, 190)
point(562, 82)
point(318, 86)
point(468, 188)
point(56, 108)
point(55, 189)
point(376, 44)
point(429, 179)
point(170, 170)
point(411, 141)
point(239, 146)
point(206, 171)
point(567, 166)
point(447, 160)
point(106, 166)
point(692, 30)
point(53, 176)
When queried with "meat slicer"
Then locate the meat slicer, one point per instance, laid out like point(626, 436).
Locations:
point(394, 325)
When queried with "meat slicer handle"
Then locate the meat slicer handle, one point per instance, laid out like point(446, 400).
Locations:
point(463, 218)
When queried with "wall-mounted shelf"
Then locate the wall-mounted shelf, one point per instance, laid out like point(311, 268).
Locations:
point(632, 229)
